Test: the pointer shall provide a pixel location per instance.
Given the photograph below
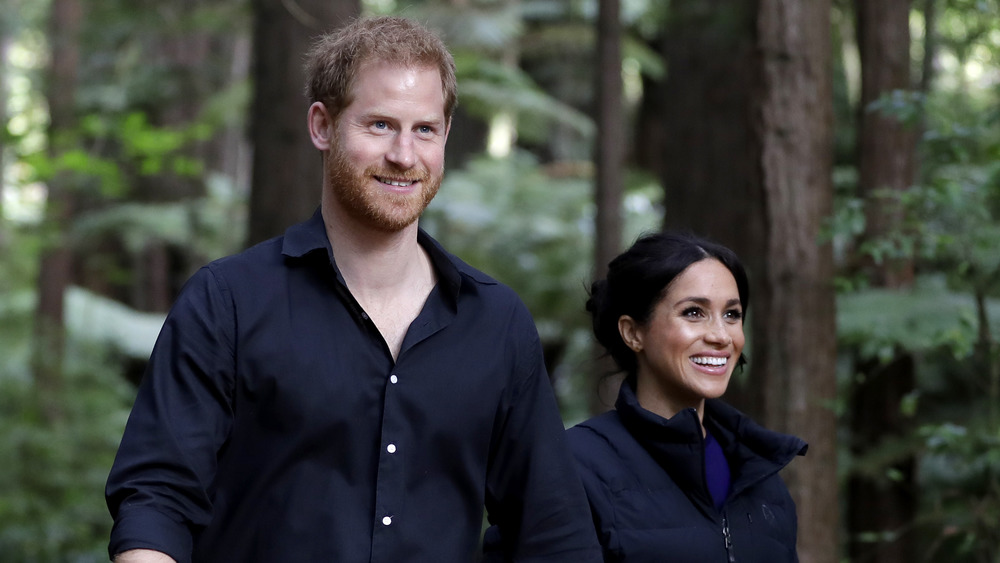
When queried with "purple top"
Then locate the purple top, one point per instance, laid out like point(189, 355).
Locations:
point(716, 470)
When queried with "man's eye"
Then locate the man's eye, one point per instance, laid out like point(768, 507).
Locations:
point(381, 125)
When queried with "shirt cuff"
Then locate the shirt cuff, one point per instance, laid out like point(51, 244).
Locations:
point(145, 528)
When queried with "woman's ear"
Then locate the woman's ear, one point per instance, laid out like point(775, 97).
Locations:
point(320, 126)
point(631, 335)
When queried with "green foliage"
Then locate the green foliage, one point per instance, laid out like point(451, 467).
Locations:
point(487, 88)
point(961, 479)
point(98, 321)
point(210, 227)
point(145, 150)
point(902, 106)
point(153, 91)
point(951, 222)
point(954, 407)
point(57, 444)
point(949, 230)
point(487, 28)
point(156, 56)
point(481, 39)
point(877, 323)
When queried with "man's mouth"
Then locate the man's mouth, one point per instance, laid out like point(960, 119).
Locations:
point(395, 183)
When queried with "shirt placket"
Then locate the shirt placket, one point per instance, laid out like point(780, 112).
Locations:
point(389, 480)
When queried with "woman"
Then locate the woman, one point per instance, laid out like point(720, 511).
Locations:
point(673, 473)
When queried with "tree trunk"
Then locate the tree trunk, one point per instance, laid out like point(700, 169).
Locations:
point(886, 146)
point(700, 150)
point(56, 265)
point(746, 159)
point(609, 158)
point(795, 320)
point(287, 169)
point(187, 55)
point(880, 506)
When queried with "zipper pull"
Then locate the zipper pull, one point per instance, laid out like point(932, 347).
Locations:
point(729, 540)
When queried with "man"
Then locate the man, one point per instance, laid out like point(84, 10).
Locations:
point(350, 391)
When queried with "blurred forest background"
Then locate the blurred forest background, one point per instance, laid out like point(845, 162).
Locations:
point(848, 150)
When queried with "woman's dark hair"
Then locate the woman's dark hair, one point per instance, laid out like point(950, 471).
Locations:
point(639, 277)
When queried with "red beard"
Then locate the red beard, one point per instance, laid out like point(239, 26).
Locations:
point(362, 199)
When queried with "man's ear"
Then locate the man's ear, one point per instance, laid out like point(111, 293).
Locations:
point(320, 126)
point(631, 335)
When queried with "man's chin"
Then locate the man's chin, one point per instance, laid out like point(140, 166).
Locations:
point(391, 223)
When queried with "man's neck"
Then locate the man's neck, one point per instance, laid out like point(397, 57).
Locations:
point(372, 259)
point(389, 274)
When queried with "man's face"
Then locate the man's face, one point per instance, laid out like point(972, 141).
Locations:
point(387, 156)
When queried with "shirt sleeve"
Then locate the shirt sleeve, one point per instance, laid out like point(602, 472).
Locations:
point(535, 500)
point(158, 491)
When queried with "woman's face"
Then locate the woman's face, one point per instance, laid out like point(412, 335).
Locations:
point(688, 348)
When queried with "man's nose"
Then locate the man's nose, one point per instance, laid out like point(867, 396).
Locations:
point(401, 153)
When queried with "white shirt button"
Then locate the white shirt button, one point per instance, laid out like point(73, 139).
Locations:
point(391, 448)
point(393, 379)
point(386, 520)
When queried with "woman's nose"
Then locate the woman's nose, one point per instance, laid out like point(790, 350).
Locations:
point(718, 333)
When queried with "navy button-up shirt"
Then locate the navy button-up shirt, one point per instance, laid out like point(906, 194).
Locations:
point(273, 425)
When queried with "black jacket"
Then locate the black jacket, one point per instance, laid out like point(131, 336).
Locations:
point(645, 480)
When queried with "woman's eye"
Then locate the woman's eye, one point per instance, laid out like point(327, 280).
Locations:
point(734, 315)
point(691, 312)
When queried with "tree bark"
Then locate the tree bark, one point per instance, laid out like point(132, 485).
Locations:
point(287, 169)
point(56, 264)
point(699, 150)
point(610, 154)
point(745, 156)
point(886, 146)
point(880, 506)
point(795, 320)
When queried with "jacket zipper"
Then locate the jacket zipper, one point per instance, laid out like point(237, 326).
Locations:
point(729, 540)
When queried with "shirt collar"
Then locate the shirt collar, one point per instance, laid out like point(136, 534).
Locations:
point(310, 236)
point(306, 237)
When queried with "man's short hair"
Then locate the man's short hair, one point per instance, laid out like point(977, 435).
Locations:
point(333, 63)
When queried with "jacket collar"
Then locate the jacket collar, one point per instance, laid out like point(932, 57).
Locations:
point(675, 443)
point(754, 452)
